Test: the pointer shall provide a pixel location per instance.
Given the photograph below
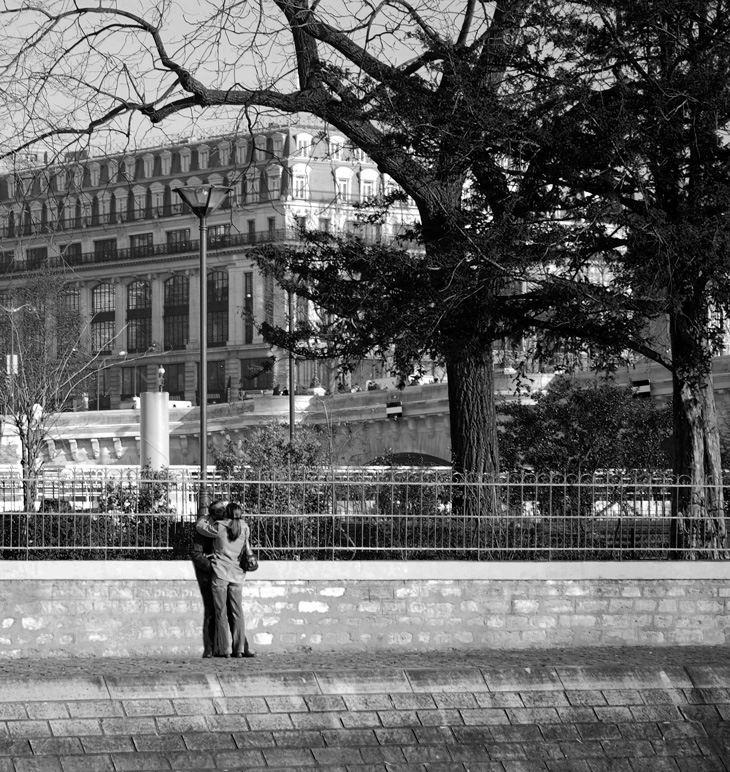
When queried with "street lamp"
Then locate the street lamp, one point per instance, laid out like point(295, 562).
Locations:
point(203, 200)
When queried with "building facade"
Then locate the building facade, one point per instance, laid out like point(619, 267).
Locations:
point(118, 235)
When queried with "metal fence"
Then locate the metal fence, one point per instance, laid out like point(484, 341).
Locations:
point(368, 514)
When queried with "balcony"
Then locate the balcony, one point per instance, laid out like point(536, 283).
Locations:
point(189, 247)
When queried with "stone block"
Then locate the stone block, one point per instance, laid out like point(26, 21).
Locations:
point(266, 684)
point(512, 679)
point(347, 682)
point(433, 680)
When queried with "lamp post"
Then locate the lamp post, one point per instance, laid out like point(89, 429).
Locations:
point(203, 200)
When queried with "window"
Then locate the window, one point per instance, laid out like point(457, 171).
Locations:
point(176, 332)
point(178, 241)
point(102, 318)
point(6, 258)
point(250, 188)
point(304, 145)
point(102, 336)
point(335, 148)
point(217, 382)
point(175, 380)
point(176, 313)
point(260, 143)
point(203, 156)
point(185, 155)
point(272, 227)
point(252, 231)
point(141, 244)
point(139, 334)
point(274, 183)
point(139, 296)
point(299, 186)
point(224, 153)
point(248, 307)
point(71, 298)
point(218, 235)
point(103, 299)
point(36, 257)
point(367, 188)
point(324, 225)
point(217, 308)
point(134, 380)
point(300, 224)
point(139, 316)
point(256, 374)
point(343, 189)
point(105, 249)
point(177, 291)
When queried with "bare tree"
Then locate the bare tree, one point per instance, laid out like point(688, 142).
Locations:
point(46, 365)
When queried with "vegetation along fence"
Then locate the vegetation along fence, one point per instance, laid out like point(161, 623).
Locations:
point(371, 514)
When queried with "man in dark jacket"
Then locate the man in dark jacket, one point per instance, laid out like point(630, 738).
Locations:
point(201, 553)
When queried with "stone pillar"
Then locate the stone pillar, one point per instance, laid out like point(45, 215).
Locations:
point(154, 425)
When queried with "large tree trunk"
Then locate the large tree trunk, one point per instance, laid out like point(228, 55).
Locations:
point(473, 415)
point(698, 516)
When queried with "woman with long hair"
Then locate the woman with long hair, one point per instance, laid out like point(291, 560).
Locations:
point(230, 540)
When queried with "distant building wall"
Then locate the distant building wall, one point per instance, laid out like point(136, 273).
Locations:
point(57, 608)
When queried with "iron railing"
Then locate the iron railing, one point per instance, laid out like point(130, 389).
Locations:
point(368, 514)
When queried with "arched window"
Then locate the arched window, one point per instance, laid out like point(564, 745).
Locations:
point(176, 312)
point(139, 317)
point(217, 308)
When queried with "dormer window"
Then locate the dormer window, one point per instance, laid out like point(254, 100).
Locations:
point(224, 153)
point(60, 182)
point(77, 174)
point(112, 170)
point(94, 173)
point(260, 148)
point(241, 151)
point(129, 168)
point(185, 155)
point(148, 163)
point(277, 144)
point(203, 157)
point(165, 162)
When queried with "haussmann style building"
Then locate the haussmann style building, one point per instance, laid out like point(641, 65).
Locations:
point(115, 229)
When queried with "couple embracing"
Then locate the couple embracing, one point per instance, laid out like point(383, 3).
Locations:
point(220, 547)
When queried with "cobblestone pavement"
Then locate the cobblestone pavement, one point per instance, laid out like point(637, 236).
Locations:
point(564, 710)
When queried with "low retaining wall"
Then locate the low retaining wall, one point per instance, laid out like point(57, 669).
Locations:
point(90, 609)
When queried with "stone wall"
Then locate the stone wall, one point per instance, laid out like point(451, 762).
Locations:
point(58, 608)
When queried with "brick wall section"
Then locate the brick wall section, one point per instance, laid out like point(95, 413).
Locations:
point(155, 609)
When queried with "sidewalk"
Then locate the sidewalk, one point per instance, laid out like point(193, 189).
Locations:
point(580, 710)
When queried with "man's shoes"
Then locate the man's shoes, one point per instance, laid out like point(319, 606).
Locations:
point(207, 654)
point(223, 656)
point(245, 655)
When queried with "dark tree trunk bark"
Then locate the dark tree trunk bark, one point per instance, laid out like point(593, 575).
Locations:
point(473, 415)
point(698, 516)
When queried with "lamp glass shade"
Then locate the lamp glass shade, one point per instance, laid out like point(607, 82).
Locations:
point(203, 200)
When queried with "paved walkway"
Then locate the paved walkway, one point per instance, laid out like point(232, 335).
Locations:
point(585, 710)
